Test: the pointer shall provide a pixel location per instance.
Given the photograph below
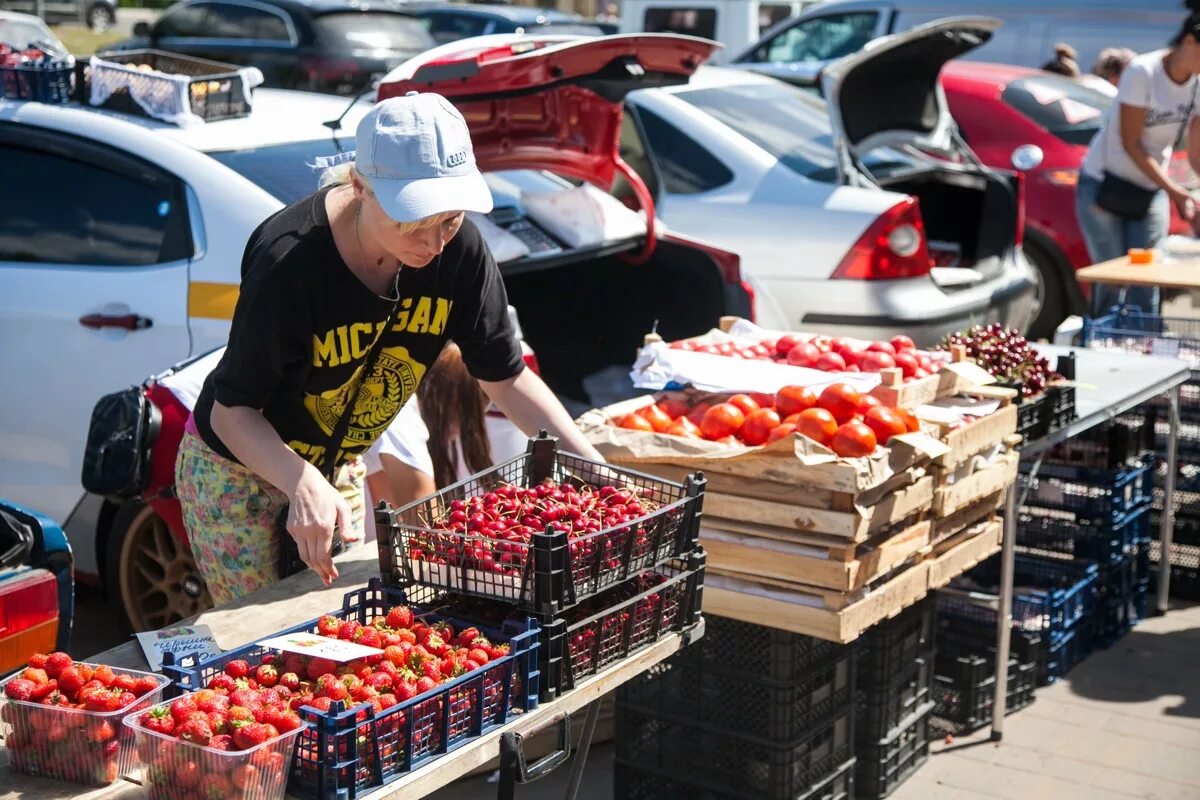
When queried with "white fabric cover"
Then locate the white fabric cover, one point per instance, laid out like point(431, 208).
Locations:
point(161, 95)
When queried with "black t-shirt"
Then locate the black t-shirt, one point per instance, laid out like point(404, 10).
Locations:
point(304, 324)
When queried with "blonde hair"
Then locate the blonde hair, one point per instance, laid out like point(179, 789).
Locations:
point(343, 174)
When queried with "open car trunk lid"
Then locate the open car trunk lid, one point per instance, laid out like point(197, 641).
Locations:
point(888, 94)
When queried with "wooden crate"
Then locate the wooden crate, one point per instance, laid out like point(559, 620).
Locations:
point(813, 612)
point(842, 570)
point(975, 437)
point(951, 497)
point(968, 516)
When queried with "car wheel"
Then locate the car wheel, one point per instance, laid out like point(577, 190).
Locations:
point(1049, 296)
point(100, 18)
point(150, 576)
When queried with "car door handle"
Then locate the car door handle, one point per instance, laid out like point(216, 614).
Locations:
point(129, 322)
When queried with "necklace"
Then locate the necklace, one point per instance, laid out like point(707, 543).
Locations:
point(394, 297)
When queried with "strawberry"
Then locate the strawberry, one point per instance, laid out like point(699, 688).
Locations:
point(183, 708)
point(109, 751)
point(57, 699)
point(400, 617)
point(37, 661)
point(245, 697)
point(287, 721)
point(19, 689)
point(387, 700)
point(478, 655)
point(379, 681)
point(101, 700)
point(292, 663)
point(352, 682)
point(322, 704)
point(368, 637)
point(467, 636)
point(239, 716)
point(222, 683)
point(432, 668)
point(159, 720)
point(364, 693)
point(87, 671)
point(347, 629)
point(125, 682)
point(187, 775)
point(436, 644)
point(425, 684)
point(238, 668)
point(56, 662)
point(210, 701)
point(124, 699)
point(289, 681)
point(70, 681)
point(443, 629)
point(318, 667)
point(105, 674)
point(196, 729)
point(331, 687)
point(389, 639)
point(329, 625)
point(405, 690)
point(222, 741)
point(43, 690)
point(267, 760)
point(245, 776)
point(266, 675)
point(143, 686)
point(101, 732)
point(394, 654)
point(36, 675)
point(252, 735)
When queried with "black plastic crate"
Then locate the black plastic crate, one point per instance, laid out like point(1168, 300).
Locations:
point(1050, 596)
point(1117, 443)
point(1064, 654)
point(352, 749)
point(1185, 570)
point(883, 708)
point(1033, 417)
point(742, 766)
point(556, 569)
point(1187, 527)
point(1079, 490)
point(636, 782)
point(215, 90)
point(44, 81)
point(686, 688)
point(894, 645)
point(743, 648)
point(884, 766)
point(584, 640)
point(1061, 408)
point(1062, 534)
point(965, 688)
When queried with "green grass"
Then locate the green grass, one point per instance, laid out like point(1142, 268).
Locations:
point(82, 42)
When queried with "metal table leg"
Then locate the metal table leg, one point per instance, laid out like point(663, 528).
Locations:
point(1168, 515)
point(581, 752)
point(1004, 611)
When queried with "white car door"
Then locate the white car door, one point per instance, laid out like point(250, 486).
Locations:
point(94, 249)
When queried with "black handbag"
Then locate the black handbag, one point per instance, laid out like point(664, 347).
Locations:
point(116, 458)
point(290, 562)
point(1127, 199)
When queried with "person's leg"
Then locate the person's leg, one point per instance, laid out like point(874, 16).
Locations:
point(1104, 234)
point(230, 518)
point(1146, 233)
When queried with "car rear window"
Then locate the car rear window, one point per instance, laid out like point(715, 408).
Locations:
point(700, 22)
point(1067, 109)
point(373, 29)
point(576, 28)
point(282, 170)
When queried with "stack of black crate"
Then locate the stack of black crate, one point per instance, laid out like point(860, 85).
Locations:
point(1185, 547)
point(746, 713)
point(894, 700)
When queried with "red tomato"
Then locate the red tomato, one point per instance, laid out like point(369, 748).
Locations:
point(910, 420)
point(817, 424)
point(853, 368)
point(902, 342)
point(804, 354)
point(745, 402)
point(722, 420)
point(730, 440)
point(793, 419)
point(841, 400)
point(839, 344)
point(851, 357)
point(674, 407)
point(831, 362)
point(636, 423)
point(711, 349)
point(684, 427)
point(698, 412)
point(875, 360)
point(759, 425)
point(881, 347)
point(822, 343)
point(794, 399)
point(658, 419)
point(761, 350)
point(781, 431)
point(785, 344)
point(919, 373)
point(726, 348)
point(763, 399)
point(885, 422)
point(907, 363)
point(853, 440)
point(748, 352)
point(867, 402)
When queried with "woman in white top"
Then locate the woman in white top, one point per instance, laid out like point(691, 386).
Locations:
point(1124, 189)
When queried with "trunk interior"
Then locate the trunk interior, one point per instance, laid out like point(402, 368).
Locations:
point(582, 317)
point(970, 218)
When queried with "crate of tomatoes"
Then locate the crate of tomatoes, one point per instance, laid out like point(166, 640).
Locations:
point(62, 719)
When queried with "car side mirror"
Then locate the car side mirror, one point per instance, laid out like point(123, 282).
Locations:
point(1027, 157)
point(141, 30)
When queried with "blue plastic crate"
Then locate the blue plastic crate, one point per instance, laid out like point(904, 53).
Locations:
point(1130, 329)
point(1064, 654)
point(351, 750)
point(1050, 596)
point(45, 81)
point(1072, 489)
point(1064, 535)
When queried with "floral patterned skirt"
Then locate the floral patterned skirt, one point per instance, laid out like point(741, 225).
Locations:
point(229, 513)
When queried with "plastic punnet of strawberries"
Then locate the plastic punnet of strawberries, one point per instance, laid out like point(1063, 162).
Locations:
point(492, 532)
point(64, 718)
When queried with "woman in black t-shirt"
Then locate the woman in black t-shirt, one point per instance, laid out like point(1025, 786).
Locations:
point(347, 298)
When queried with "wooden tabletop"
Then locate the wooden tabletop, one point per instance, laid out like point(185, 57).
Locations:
point(1178, 273)
point(303, 597)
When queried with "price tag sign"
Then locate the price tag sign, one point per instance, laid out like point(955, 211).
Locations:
point(310, 644)
point(179, 641)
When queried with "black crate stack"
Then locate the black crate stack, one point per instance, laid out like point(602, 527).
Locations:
point(1185, 546)
point(895, 700)
point(746, 713)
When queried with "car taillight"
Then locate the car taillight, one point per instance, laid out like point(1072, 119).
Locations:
point(893, 247)
point(28, 617)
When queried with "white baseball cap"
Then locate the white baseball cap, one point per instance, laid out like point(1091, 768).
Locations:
point(416, 152)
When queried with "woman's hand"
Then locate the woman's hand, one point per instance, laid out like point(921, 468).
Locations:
point(1184, 203)
point(316, 509)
